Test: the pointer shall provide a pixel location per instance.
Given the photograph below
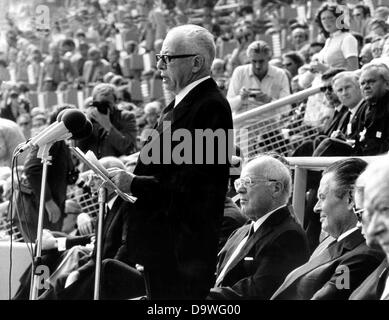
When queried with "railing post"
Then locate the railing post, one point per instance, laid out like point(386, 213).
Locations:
point(299, 190)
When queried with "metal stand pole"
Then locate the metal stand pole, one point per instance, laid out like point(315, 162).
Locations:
point(44, 155)
point(102, 200)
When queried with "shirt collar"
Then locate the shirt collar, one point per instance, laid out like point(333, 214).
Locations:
point(181, 95)
point(270, 72)
point(262, 219)
point(111, 202)
point(345, 234)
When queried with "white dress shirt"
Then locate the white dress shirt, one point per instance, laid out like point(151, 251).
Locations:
point(255, 225)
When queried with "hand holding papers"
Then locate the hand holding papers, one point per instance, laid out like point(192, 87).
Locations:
point(91, 161)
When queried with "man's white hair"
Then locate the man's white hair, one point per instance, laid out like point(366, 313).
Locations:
point(195, 40)
point(273, 169)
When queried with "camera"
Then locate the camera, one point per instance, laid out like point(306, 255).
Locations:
point(102, 106)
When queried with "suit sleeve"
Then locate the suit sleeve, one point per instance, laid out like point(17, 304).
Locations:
point(285, 253)
point(124, 140)
point(348, 275)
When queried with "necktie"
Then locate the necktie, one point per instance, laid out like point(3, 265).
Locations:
point(347, 118)
point(251, 231)
point(234, 255)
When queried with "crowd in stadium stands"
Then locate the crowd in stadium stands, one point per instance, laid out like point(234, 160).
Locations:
point(100, 57)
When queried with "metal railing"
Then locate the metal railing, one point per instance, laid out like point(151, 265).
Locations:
point(277, 126)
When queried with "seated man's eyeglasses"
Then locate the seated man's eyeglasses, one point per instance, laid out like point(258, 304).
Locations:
point(166, 58)
point(248, 182)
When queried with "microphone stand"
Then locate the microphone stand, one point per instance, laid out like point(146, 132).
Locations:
point(102, 198)
point(43, 153)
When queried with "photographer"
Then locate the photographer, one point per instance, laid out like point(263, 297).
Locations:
point(114, 131)
point(257, 82)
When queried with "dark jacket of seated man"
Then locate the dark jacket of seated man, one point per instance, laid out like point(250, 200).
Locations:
point(113, 246)
point(374, 285)
point(277, 247)
point(333, 274)
point(374, 135)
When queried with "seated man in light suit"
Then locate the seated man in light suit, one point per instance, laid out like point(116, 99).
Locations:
point(344, 264)
point(372, 187)
point(253, 266)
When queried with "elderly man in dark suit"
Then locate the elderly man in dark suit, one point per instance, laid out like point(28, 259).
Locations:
point(374, 203)
point(343, 265)
point(178, 213)
point(374, 137)
point(341, 142)
point(253, 266)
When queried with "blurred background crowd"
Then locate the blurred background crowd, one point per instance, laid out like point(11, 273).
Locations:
point(99, 56)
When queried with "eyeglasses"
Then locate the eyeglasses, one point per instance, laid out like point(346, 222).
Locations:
point(248, 182)
point(166, 58)
point(24, 124)
point(326, 89)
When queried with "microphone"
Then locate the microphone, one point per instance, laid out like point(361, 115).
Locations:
point(71, 123)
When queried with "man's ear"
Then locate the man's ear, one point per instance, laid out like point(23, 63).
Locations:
point(277, 189)
point(350, 200)
point(197, 63)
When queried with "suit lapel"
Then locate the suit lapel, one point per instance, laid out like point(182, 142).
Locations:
point(110, 217)
point(329, 254)
point(258, 238)
point(233, 244)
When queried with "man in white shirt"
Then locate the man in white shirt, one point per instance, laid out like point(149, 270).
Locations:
point(257, 83)
point(257, 256)
point(343, 265)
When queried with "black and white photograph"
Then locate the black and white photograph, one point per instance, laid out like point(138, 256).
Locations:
point(194, 157)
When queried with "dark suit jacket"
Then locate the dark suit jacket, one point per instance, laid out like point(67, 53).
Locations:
point(375, 123)
point(337, 122)
point(373, 286)
point(276, 248)
point(178, 214)
point(114, 235)
point(121, 140)
point(318, 278)
point(113, 247)
point(357, 122)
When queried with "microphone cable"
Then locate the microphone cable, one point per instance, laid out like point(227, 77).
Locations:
point(10, 211)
